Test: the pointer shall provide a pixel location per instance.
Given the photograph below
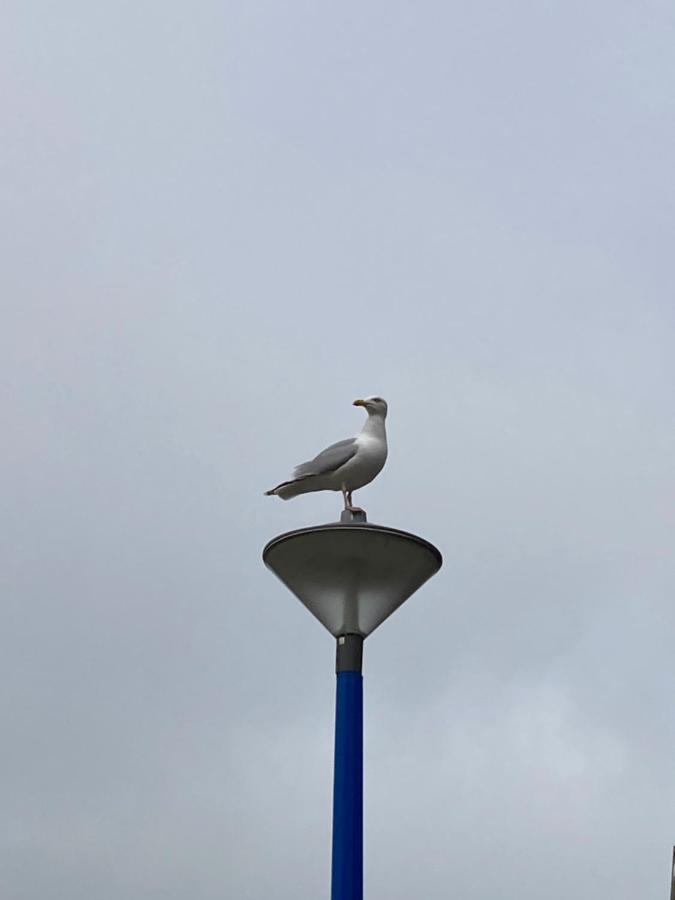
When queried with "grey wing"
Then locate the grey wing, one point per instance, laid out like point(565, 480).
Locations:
point(329, 460)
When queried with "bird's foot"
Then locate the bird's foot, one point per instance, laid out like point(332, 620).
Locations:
point(354, 509)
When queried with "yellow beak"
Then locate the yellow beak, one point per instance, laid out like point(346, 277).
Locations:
point(359, 403)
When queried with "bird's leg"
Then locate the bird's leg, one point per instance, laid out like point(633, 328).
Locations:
point(347, 497)
point(350, 506)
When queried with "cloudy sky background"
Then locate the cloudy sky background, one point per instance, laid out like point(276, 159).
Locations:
point(222, 224)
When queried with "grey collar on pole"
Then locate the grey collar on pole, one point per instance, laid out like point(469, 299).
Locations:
point(349, 656)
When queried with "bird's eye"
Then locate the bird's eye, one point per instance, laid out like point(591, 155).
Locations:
point(378, 400)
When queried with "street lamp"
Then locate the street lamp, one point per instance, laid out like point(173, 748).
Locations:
point(351, 575)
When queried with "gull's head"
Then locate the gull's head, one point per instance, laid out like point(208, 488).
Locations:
point(374, 406)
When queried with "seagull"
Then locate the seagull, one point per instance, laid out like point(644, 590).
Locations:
point(344, 466)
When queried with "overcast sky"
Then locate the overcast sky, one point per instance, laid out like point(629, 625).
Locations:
point(224, 221)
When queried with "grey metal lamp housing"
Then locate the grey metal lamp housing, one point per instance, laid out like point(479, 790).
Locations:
point(352, 575)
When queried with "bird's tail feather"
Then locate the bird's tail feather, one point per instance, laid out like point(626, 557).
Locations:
point(288, 489)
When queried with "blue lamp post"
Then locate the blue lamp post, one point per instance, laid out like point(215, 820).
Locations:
point(351, 575)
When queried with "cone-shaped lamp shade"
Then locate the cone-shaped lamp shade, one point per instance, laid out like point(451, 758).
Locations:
point(351, 577)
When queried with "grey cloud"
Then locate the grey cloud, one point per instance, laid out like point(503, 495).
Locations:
point(221, 226)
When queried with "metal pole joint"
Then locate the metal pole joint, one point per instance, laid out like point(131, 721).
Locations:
point(349, 655)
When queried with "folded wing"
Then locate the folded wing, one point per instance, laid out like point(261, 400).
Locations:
point(329, 460)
